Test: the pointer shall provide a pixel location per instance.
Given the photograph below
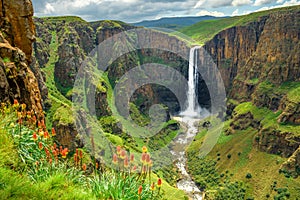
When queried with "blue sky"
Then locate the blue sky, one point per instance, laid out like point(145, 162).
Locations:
point(138, 10)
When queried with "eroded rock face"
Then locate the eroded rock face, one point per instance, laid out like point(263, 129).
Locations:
point(16, 37)
point(17, 24)
point(264, 50)
point(292, 165)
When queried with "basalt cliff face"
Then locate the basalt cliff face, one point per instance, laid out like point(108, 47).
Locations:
point(16, 37)
point(260, 63)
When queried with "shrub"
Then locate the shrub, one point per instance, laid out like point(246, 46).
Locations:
point(248, 175)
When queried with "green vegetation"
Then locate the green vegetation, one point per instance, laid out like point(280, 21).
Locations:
point(206, 30)
point(236, 167)
point(32, 166)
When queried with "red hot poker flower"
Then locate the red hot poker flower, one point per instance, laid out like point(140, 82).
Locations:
point(115, 159)
point(140, 190)
point(126, 163)
point(131, 157)
point(40, 145)
point(34, 136)
point(53, 132)
point(159, 182)
point(84, 167)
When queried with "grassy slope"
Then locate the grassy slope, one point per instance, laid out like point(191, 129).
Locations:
point(245, 158)
point(206, 30)
point(61, 105)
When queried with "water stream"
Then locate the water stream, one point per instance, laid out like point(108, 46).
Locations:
point(189, 118)
point(180, 144)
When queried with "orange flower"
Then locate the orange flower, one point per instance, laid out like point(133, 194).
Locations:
point(144, 169)
point(143, 159)
point(16, 103)
point(64, 153)
point(152, 187)
point(140, 190)
point(131, 157)
point(40, 145)
point(119, 149)
point(53, 132)
point(34, 136)
point(133, 168)
point(126, 163)
point(148, 160)
point(159, 182)
point(97, 165)
point(50, 161)
point(80, 154)
point(84, 167)
point(115, 159)
point(46, 135)
point(144, 149)
point(123, 154)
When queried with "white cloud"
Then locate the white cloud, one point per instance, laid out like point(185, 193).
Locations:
point(212, 3)
point(241, 2)
point(263, 2)
point(285, 4)
point(235, 13)
point(49, 8)
point(211, 13)
point(279, 1)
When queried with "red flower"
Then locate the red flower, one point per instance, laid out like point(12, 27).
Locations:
point(119, 149)
point(143, 159)
point(123, 154)
point(133, 168)
point(159, 182)
point(152, 187)
point(64, 153)
point(84, 167)
point(16, 102)
point(53, 132)
point(115, 159)
point(148, 160)
point(80, 154)
point(140, 190)
point(34, 136)
point(40, 145)
point(126, 163)
point(131, 157)
point(46, 135)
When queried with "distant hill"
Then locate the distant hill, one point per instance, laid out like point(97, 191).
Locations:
point(206, 29)
point(174, 22)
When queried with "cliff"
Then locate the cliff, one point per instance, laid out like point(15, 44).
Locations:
point(16, 37)
point(259, 63)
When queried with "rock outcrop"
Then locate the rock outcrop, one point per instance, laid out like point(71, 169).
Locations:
point(16, 37)
point(264, 50)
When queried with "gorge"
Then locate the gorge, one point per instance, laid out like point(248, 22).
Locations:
point(257, 155)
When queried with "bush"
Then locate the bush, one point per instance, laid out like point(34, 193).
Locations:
point(249, 175)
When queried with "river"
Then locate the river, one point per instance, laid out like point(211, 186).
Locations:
point(178, 150)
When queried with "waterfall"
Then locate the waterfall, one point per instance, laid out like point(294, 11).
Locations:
point(193, 109)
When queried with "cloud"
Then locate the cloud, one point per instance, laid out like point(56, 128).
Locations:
point(235, 13)
point(48, 8)
point(212, 3)
point(241, 2)
point(137, 10)
point(285, 4)
point(211, 13)
point(263, 2)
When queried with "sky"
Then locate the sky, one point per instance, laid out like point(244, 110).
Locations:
point(138, 10)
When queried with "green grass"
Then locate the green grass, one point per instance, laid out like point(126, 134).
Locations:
point(206, 30)
point(64, 18)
